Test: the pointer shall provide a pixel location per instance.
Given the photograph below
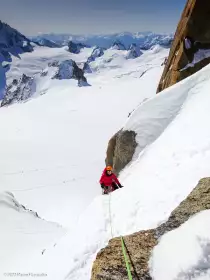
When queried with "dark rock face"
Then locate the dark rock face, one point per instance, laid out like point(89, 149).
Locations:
point(117, 45)
point(109, 263)
point(193, 26)
point(97, 52)
point(121, 149)
point(68, 69)
point(19, 90)
point(134, 51)
point(75, 47)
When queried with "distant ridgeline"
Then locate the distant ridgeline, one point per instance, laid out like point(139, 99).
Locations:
point(143, 39)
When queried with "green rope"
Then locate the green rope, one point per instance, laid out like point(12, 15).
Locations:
point(126, 259)
point(122, 242)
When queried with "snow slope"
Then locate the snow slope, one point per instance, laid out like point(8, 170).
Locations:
point(54, 146)
point(184, 252)
point(23, 235)
point(155, 183)
point(52, 154)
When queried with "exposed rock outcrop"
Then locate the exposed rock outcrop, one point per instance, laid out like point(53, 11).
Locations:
point(97, 52)
point(121, 149)
point(109, 263)
point(68, 69)
point(194, 24)
point(19, 90)
point(75, 47)
point(134, 51)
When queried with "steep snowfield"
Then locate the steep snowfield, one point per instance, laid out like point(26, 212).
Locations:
point(161, 177)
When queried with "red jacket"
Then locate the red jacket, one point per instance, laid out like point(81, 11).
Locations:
point(108, 180)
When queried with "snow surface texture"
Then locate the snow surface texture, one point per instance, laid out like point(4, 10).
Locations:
point(161, 177)
point(184, 253)
point(145, 39)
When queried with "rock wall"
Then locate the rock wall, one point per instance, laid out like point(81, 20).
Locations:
point(109, 263)
point(195, 24)
point(121, 149)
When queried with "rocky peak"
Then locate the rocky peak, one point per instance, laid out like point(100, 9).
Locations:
point(75, 47)
point(97, 52)
point(68, 69)
point(190, 50)
point(134, 51)
point(117, 45)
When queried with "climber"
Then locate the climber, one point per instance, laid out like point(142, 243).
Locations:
point(109, 181)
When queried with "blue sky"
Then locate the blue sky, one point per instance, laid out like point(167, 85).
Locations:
point(90, 16)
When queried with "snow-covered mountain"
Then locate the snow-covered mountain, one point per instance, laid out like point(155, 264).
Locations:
point(12, 43)
point(25, 87)
point(144, 39)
